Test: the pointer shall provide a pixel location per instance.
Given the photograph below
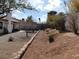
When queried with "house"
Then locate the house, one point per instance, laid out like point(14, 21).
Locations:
point(8, 26)
point(27, 25)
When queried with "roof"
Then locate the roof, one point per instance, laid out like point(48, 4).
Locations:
point(2, 17)
point(12, 19)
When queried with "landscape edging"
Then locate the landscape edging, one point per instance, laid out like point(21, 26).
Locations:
point(25, 47)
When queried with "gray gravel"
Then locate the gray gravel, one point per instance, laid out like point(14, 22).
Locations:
point(9, 49)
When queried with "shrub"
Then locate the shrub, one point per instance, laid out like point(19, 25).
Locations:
point(51, 39)
point(56, 22)
point(47, 30)
point(10, 39)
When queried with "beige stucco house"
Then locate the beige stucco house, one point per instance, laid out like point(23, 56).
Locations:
point(8, 24)
point(27, 25)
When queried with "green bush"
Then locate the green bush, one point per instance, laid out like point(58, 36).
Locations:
point(57, 22)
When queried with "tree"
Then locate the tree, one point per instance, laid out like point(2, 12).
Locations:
point(39, 20)
point(56, 21)
point(9, 5)
point(29, 19)
point(61, 13)
point(74, 5)
point(72, 20)
point(6, 6)
point(52, 12)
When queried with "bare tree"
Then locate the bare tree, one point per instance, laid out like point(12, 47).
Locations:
point(7, 6)
point(74, 23)
point(71, 23)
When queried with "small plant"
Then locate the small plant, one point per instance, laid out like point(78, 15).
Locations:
point(10, 39)
point(51, 39)
point(47, 30)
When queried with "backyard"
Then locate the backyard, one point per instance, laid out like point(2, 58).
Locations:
point(9, 49)
point(65, 46)
point(40, 29)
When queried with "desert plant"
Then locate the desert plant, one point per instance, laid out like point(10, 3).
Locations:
point(57, 21)
point(10, 39)
point(47, 30)
point(51, 38)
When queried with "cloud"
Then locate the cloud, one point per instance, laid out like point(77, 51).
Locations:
point(40, 7)
point(17, 14)
point(17, 11)
point(43, 18)
point(53, 5)
point(46, 6)
point(43, 6)
point(38, 4)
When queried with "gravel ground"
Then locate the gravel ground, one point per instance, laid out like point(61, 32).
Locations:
point(9, 49)
point(65, 46)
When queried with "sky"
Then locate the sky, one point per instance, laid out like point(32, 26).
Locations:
point(43, 6)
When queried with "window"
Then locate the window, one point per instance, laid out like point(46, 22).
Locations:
point(1, 25)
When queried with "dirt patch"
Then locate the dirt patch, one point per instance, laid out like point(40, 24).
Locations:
point(65, 46)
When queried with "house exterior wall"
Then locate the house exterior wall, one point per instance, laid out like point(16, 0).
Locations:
point(1, 29)
point(27, 25)
point(22, 24)
point(16, 25)
point(8, 23)
point(4, 25)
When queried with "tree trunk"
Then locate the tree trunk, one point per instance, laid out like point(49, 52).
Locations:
point(74, 18)
point(9, 22)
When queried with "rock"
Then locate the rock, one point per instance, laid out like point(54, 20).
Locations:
point(10, 39)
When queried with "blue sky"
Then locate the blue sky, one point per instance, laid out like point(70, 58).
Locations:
point(43, 6)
